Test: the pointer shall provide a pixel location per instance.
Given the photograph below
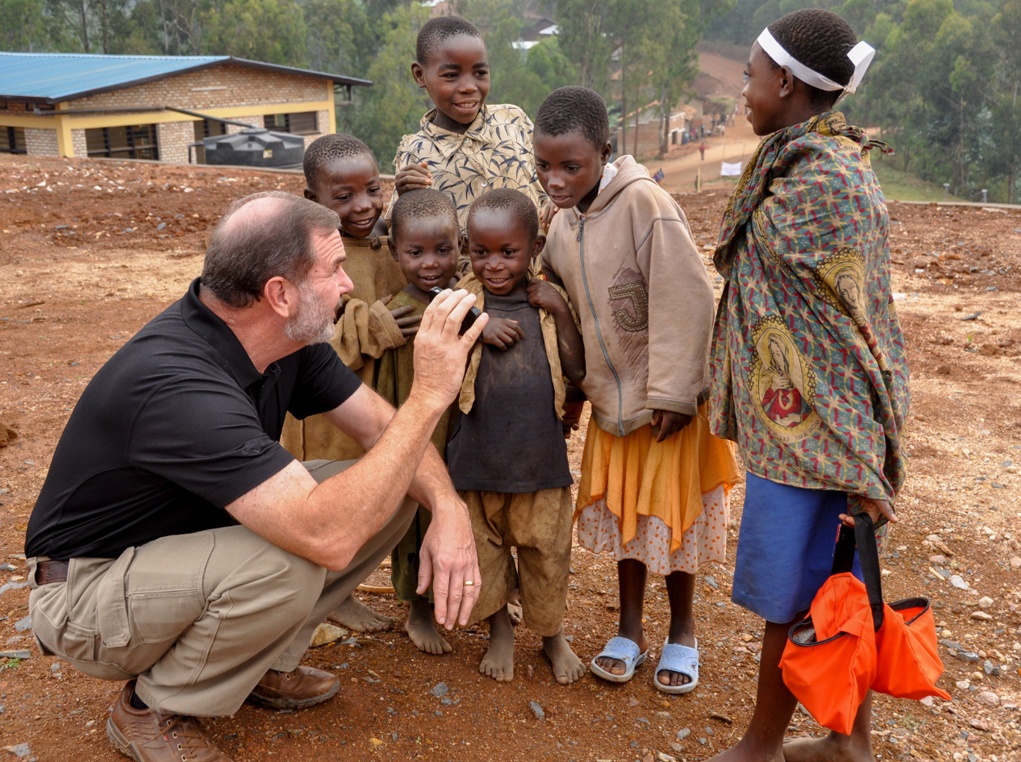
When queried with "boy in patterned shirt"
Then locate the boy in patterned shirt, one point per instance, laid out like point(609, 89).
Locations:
point(464, 146)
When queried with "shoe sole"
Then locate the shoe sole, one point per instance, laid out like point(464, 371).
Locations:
point(282, 703)
point(120, 741)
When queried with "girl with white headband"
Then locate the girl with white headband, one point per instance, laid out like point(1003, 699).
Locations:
point(808, 365)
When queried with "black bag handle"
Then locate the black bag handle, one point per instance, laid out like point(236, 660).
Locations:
point(864, 537)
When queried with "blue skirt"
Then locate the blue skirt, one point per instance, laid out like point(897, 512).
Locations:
point(785, 547)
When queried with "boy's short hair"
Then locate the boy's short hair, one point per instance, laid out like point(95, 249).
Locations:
point(327, 148)
point(438, 29)
point(422, 203)
point(820, 40)
point(574, 108)
point(513, 201)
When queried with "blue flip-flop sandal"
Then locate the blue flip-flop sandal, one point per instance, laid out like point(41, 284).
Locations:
point(677, 658)
point(623, 650)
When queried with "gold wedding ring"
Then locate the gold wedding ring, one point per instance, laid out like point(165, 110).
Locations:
point(469, 582)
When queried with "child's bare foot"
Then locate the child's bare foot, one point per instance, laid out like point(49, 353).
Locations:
point(567, 667)
point(498, 662)
point(355, 615)
point(741, 754)
point(831, 748)
point(616, 666)
point(421, 628)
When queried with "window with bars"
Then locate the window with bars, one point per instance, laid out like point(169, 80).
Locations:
point(302, 123)
point(12, 140)
point(206, 128)
point(133, 142)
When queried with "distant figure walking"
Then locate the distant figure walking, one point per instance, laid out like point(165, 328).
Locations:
point(701, 150)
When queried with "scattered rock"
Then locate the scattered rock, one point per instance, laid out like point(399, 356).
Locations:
point(23, 624)
point(21, 654)
point(985, 602)
point(537, 710)
point(957, 581)
point(19, 750)
point(439, 690)
point(327, 633)
point(683, 733)
point(988, 698)
point(981, 615)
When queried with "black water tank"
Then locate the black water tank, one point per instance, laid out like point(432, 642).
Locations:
point(256, 147)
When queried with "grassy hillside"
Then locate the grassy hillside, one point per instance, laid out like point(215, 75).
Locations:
point(904, 186)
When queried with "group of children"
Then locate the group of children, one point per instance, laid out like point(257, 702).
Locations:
point(613, 305)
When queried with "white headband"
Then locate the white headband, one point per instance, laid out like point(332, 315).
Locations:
point(860, 55)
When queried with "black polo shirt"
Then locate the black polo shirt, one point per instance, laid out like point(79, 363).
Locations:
point(175, 426)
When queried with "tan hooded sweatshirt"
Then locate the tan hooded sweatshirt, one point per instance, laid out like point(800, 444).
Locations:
point(644, 298)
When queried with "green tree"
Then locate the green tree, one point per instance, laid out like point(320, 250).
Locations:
point(22, 25)
point(339, 38)
point(382, 114)
point(1003, 157)
point(261, 30)
point(85, 25)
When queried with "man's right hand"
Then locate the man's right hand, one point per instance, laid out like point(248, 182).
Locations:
point(440, 352)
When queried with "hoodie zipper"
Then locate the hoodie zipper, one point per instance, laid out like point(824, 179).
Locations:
point(595, 322)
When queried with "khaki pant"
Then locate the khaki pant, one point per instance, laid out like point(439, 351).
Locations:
point(198, 618)
point(538, 524)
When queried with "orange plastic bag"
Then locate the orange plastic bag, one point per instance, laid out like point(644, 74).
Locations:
point(909, 662)
point(829, 662)
point(851, 641)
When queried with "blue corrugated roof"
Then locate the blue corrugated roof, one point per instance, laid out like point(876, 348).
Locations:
point(56, 77)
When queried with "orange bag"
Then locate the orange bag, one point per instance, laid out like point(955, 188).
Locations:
point(851, 641)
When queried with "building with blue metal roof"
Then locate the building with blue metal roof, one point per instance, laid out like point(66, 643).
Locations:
point(155, 107)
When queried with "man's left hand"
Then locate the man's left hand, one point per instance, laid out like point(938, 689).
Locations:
point(448, 562)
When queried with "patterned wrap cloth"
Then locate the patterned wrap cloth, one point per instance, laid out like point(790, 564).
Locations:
point(809, 374)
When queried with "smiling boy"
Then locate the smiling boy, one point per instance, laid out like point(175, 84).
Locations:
point(507, 456)
point(464, 146)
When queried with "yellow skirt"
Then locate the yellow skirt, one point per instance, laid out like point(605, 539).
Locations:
point(638, 476)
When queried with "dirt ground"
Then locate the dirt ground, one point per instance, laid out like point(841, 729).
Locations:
point(89, 251)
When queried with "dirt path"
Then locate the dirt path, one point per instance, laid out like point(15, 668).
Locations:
point(89, 251)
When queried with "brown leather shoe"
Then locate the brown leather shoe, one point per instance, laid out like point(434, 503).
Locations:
point(303, 687)
point(148, 735)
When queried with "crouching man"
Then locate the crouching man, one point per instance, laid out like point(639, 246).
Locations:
point(176, 546)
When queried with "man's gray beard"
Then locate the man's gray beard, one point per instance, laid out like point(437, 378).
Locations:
point(314, 322)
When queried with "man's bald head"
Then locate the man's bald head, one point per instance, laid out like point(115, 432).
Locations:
point(260, 237)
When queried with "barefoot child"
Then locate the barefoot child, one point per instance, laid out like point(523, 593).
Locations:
point(465, 146)
point(507, 456)
point(424, 241)
point(341, 173)
point(654, 481)
point(808, 364)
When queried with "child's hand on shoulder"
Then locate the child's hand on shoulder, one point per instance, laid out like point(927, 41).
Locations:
point(413, 177)
point(502, 332)
point(666, 423)
point(543, 294)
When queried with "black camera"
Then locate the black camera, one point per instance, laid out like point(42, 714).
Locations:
point(469, 319)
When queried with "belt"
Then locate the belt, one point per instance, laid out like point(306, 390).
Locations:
point(48, 572)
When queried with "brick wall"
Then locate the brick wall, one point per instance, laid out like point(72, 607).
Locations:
point(78, 143)
point(40, 142)
point(173, 139)
point(216, 87)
